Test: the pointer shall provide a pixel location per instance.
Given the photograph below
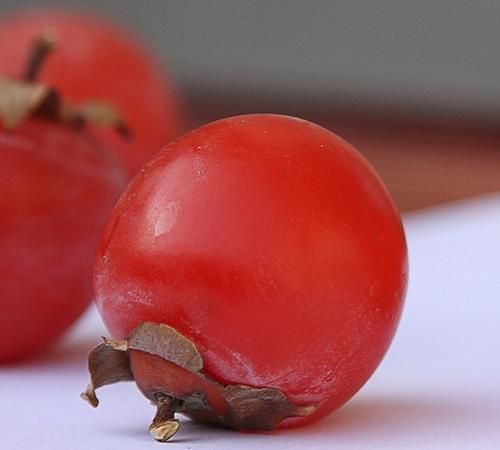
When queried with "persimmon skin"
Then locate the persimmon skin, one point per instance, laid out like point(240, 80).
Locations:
point(57, 188)
point(272, 244)
point(94, 59)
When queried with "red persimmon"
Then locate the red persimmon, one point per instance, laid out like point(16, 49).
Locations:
point(95, 59)
point(270, 244)
point(57, 187)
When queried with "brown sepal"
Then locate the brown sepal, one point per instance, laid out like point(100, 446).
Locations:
point(26, 97)
point(168, 370)
point(20, 100)
point(106, 366)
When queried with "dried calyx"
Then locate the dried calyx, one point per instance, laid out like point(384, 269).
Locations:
point(24, 98)
point(168, 370)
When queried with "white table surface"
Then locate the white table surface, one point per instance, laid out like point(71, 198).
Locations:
point(438, 387)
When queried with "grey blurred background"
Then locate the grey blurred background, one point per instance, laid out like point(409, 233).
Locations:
point(440, 56)
point(365, 68)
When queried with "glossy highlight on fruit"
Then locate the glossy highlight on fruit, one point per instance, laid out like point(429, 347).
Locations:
point(95, 59)
point(57, 187)
point(272, 246)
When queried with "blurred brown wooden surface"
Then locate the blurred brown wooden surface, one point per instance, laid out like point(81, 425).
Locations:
point(424, 167)
point(424, 161)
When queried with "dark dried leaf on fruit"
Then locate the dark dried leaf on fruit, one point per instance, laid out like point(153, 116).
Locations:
point(106, 366)
point(19, 100)
point(162, 340)
point(261, 408)
point(98, 113)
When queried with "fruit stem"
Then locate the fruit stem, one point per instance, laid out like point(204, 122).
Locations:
point(164, 426)
point(37, 55)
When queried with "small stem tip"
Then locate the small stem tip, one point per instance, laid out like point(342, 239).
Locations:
point(37, 55)
point(164, 426)
point(164, 431)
